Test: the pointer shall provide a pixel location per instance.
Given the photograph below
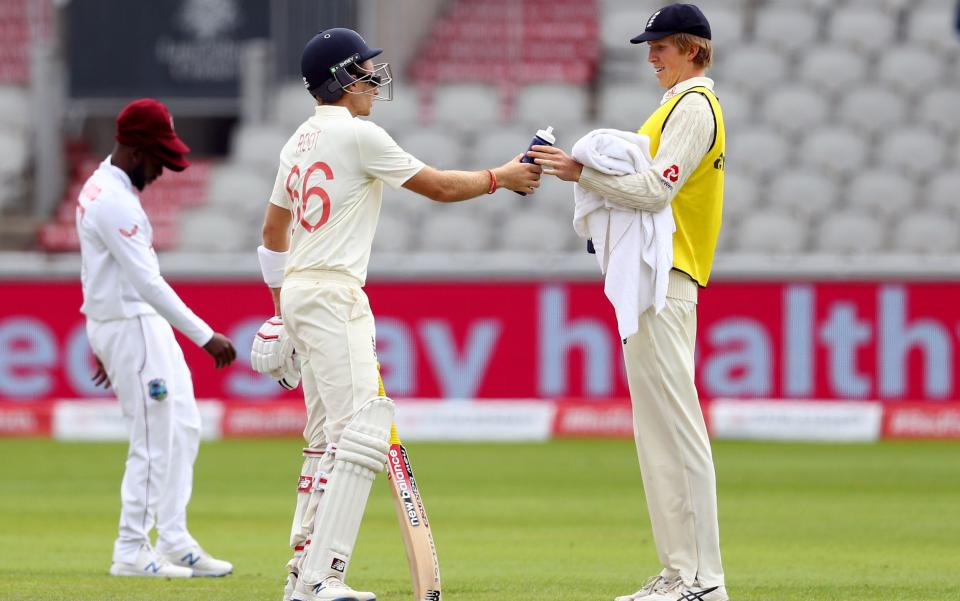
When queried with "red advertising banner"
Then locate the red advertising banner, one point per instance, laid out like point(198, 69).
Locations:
point(555, 340)
point(922, 420)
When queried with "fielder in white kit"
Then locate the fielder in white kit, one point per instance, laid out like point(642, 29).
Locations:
point(317, 235)
point(129, 309)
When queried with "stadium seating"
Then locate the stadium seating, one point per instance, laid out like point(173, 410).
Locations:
point(926, 26)
point(771, 232)
point(849, 232)
point(910, 68)
point(740, 196)
point(446, 231)
point(912, 151)
point(394, 234)
point(292, 106)
point(881, 192)
point(752, 67)
point(806, 192)
point(942, 193)
point(842, 122)
point(545, 104)
point(726, 21)
point(204, 230)
point(758, 150)
point(832, 68)
point(834, 150)
point(940, 110)
point(466, 105)
point(862, 28)
point(403, 113)
point(788, 28)
point(794, 109)
point(436, 147)
point(258, 146)
point(927, 232)
point(871, 109)
point(529, 232)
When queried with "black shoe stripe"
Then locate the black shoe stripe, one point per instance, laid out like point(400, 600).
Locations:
point(696, 596)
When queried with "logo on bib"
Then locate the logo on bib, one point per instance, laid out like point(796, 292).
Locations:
point(672, 173)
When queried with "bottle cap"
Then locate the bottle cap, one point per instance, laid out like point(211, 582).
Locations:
point(547, 135)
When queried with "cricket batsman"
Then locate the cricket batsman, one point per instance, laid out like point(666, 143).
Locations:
point(317, 235)
point(129, 309)
point(687, 143)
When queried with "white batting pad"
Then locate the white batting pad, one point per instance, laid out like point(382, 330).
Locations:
point(361, 454)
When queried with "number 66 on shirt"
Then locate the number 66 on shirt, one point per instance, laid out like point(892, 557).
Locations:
point(301, 198)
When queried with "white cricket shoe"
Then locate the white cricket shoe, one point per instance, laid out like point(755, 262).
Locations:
point(149, 563)
point(656, 584)
point(200, 562)
point(681, 592)
point(330, 589)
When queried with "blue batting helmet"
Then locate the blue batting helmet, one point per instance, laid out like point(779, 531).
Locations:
point(325, 60)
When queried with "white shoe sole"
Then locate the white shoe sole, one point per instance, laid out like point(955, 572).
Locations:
point(123, 571)
point(197, 574)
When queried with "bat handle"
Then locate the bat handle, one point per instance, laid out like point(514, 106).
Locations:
point(394, 437)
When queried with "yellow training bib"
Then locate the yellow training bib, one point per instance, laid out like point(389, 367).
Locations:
point(698, 205)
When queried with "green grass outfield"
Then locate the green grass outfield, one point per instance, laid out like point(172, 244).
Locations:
point(559, 521)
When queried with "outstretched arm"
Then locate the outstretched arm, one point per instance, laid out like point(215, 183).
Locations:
point(454, 186)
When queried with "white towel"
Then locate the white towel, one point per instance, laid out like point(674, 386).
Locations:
point(634, 248)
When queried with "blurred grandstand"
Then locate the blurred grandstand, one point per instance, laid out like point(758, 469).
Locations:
point(844, 122)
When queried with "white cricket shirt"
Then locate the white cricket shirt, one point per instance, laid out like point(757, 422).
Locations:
point(331, 179)
point(119, 269)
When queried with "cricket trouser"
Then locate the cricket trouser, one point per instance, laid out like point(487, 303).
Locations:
point(328, 317)
point(676, 462)
point(152, 382)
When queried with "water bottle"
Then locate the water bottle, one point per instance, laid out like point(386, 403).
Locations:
point(544, 137)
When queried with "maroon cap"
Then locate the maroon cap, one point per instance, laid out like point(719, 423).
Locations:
point(146, 124)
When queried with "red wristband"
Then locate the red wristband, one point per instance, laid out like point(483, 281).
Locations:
point(493, 182)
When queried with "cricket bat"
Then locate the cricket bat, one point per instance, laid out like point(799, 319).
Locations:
point(417, 538)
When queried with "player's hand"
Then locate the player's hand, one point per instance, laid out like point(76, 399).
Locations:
point(271, 347)
point(556, 162)
point(100, 378)
point(221, 349)
point(517, 176)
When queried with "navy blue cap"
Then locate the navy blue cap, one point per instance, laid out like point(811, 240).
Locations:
point(675, 18)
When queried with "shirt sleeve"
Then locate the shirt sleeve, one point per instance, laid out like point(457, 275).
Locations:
point(686, 139)
point(279, 194)
point(383, 158)
point(125, 232)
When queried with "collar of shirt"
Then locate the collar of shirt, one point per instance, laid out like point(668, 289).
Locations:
point(685, 85)
point(117, 173)
point(332, 110)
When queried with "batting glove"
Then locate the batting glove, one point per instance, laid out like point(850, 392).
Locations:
point(271, 347)
point(288, 376)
